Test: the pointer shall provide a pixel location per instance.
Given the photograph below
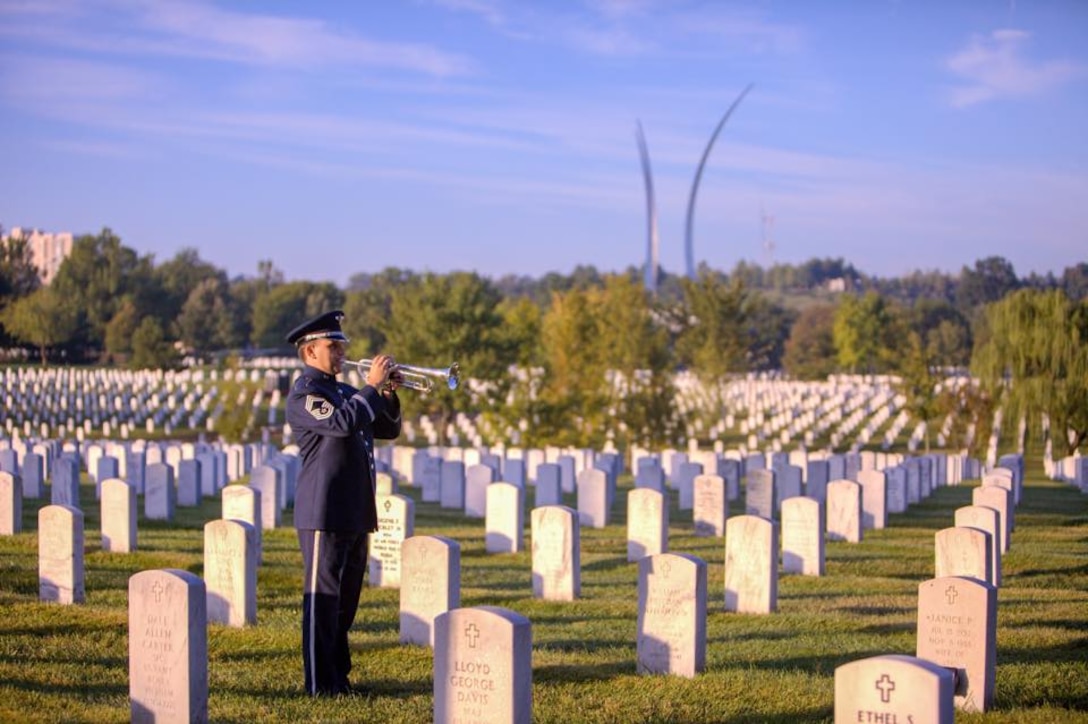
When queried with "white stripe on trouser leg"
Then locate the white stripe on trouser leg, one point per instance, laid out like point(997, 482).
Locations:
point(314, 562)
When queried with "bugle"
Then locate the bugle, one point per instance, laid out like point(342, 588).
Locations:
point(420, 379)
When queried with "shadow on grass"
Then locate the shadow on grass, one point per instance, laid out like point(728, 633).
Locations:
point(1071, 652)
point(580, 673)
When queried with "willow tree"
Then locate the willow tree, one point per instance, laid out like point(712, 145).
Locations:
point(1034, 361)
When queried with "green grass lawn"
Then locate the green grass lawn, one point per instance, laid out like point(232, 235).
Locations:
point(69, 663)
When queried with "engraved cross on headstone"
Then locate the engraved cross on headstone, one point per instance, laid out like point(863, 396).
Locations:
point(158, 590)
point(388, 505)
point(950, 594)
point(472, 633)
point(886, 686)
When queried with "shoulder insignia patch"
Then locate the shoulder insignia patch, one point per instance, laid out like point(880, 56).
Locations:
point(319, 407)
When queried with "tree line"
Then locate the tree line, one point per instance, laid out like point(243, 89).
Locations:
point(589, 357)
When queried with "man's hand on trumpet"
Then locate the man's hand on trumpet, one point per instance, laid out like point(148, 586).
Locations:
point(384, 374)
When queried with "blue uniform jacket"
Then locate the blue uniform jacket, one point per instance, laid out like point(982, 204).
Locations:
point(335, 425)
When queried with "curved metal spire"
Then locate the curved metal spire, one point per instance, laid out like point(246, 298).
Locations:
point(689, 246)
point(650, 272)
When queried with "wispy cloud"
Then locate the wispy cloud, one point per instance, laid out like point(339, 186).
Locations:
point(996, 67)
point(202, 30)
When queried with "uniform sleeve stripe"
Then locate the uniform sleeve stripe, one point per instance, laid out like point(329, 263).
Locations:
point(369, 409)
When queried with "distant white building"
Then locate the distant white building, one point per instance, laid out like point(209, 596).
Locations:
point(838, 284)
point(47, 251)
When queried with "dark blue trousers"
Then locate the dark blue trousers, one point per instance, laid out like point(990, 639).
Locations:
point(334, 566)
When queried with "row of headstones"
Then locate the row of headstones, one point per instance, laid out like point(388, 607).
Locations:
point(1073, 470)
point(230, 549)
point(167, 474)
point(483, 655)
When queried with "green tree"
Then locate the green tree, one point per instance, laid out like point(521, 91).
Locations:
point(990, 280)
point(918, 381)
point(284, 306)
point(436, 320)
point(178, 277)
point(18, 276)
point(1034, 361)
point(574, 398)
point(368, 306)
point(150, 347)
point(944, 331)
point(96, 277)
point(861, 331)
point(810, 349)
point(633, 347)
point(205, 323)
point(120, 330)
point(42, 318)
point(713, 327)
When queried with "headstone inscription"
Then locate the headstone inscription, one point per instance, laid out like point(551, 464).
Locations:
point(483, 666)
point(430, 585)
point(803, 536)
point(230, 572)
point(167, 647)
point(647, 523)
point(963, 552)
point(988, 520)
point(751, 564)
point(844, 511)
point(60, 554)
point(957, 628)
point(556, 553)
point(672, 591)
point(396, 523)
point(893, 688)
point(711, 506)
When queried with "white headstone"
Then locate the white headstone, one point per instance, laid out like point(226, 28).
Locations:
point(647, 523)
point(672, 591)
point(60, 554)
point(1000, 500)
point(11, 504)
point(893, 688)
point(483, 669)
point(167, 647)
point(874, 498)
point(505, 520)
point(556, 550)
point(802, 536)
point(957, 628)
point(430, 585)
point(711, 506)
point(477, 478)
point(396, 524)
point(243, 502)
point(844, 507)
point(751, 564)
point(963, 552)
point(230, 572)
point(118, 514)
point(593, 498)
point(988, 520)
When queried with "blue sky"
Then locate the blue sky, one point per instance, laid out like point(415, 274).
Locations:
point(499, 136)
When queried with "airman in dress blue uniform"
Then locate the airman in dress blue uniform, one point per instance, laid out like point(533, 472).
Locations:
point(335, 425)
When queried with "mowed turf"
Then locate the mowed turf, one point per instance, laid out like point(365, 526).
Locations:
point(69, 663)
